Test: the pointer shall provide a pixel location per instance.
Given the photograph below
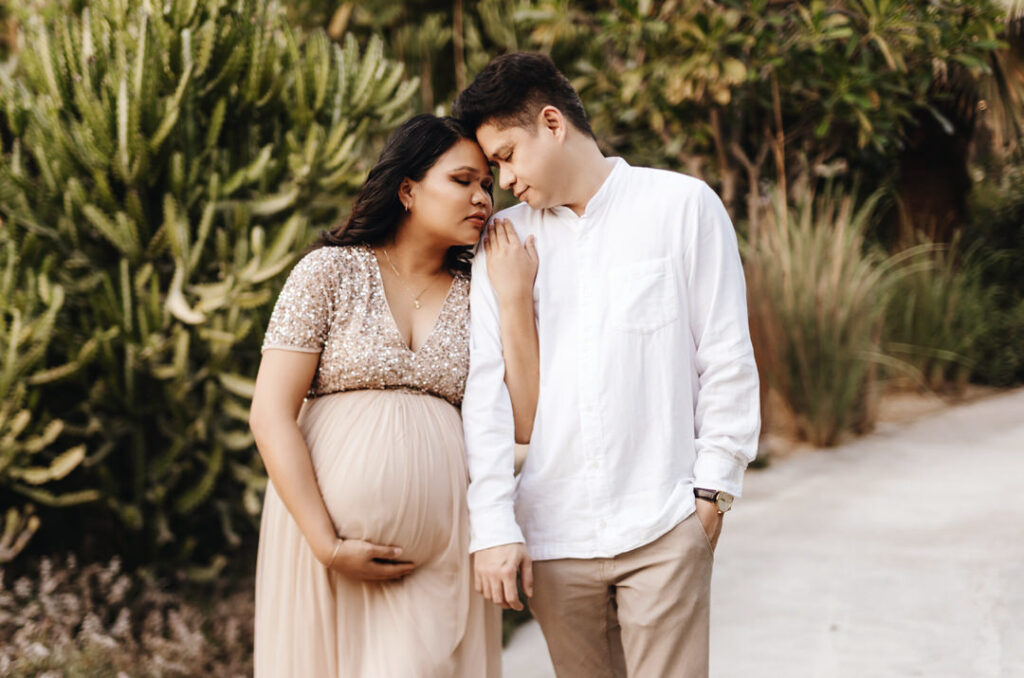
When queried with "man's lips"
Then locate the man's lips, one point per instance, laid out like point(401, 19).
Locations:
point(520, 194)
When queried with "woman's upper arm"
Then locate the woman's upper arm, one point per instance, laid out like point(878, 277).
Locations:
point(295, 336)
point(282, 383)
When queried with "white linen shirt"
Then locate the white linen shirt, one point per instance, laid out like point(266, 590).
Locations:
point(648, 386)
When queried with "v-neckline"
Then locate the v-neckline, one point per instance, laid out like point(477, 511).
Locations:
point(391, 314)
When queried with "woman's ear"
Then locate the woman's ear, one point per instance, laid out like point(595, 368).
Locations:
point(405, 193)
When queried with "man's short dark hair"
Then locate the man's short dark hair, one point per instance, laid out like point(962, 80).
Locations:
point(513, 88)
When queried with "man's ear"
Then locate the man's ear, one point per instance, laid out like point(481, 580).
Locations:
point(551, 120)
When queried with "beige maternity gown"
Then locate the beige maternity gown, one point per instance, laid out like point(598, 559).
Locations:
point(383, 427)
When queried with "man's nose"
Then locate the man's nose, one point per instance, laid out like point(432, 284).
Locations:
point(505, 178)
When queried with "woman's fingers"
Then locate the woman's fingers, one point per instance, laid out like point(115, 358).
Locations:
point(531, 247)
point(383, 552)
point(387, 571)
point(488, 238)
point(511, 237)
point(500, 237)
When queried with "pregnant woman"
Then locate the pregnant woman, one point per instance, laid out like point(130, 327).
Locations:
point(363, 567)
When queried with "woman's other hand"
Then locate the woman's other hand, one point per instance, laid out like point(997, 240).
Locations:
point(511, 266)
point(364, 561)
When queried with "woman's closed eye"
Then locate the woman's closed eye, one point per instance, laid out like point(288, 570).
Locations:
point(486, 185)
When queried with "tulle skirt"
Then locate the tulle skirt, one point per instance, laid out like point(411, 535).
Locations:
point(391, 468)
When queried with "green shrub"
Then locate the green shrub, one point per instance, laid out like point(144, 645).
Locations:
point(817, 298)
point(996, 232)
point(998, 354)
point(165, 162)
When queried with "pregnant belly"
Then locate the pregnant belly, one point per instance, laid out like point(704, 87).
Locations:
point(390, 467)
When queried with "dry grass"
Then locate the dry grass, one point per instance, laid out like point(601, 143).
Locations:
point(67, 620)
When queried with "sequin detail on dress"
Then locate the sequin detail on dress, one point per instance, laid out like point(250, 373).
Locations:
point(333, 303)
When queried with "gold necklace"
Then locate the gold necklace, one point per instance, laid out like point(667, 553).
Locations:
point(416, 299)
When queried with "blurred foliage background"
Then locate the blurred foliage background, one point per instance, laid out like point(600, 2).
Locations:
point(163, 162)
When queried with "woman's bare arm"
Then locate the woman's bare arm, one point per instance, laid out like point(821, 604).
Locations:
point(512, 269)
point(281, 384)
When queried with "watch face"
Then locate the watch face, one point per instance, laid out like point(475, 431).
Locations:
point(724, 501)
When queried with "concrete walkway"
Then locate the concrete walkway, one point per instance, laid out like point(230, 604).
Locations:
point(899, 554)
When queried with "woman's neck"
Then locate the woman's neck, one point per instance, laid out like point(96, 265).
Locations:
point(413, 256)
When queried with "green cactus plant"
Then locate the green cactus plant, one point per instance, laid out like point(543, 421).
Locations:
point(170, 159)
point(19, 526)
point(34, 455)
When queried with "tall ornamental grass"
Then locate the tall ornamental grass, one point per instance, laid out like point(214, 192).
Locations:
point(818, 296)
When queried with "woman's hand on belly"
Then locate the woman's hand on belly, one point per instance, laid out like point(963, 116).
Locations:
point(365, 561)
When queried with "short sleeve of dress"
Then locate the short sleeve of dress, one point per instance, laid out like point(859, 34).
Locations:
point(302, 314)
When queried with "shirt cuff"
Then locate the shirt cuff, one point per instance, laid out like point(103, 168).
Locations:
point(494, 526)
point(719, 471)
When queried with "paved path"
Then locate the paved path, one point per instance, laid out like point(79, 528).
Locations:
point(899, 554)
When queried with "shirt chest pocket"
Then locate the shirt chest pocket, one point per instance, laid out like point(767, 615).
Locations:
point(644, 295)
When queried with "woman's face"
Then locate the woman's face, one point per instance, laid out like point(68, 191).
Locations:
point(452, 202)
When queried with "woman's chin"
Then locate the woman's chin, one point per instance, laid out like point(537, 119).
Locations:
point(471, 238)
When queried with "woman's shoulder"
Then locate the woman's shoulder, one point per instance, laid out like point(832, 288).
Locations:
point(334, 260)
point(330, 269)
point(335, 254)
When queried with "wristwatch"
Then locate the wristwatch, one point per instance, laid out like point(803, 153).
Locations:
point(721, 500)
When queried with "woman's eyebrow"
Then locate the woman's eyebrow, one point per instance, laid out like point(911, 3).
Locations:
point(467, 168)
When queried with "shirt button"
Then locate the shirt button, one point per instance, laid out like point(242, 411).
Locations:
point(595, 464)
point(604, 524)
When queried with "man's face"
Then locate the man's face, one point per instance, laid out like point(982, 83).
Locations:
point(527, 161)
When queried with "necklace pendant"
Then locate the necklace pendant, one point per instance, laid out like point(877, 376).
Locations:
point(416, 303)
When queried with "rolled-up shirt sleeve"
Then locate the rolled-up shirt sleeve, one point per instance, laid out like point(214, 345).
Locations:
point(727, 412)
point(488, 424)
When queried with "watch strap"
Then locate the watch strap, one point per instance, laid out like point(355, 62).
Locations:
point(707, 495)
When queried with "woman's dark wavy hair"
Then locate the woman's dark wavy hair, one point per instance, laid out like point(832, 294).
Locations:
point(410, 152)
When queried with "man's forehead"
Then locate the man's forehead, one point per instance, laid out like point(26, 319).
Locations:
point(494, 138)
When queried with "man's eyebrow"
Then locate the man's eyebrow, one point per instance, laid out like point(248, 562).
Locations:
point(500, 151)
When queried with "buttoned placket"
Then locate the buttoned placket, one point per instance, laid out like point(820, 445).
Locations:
point(591, 435)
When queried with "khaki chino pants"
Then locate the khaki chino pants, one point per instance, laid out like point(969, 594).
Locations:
point(641, 614)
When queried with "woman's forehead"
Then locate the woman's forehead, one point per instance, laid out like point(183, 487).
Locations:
point(465, 154)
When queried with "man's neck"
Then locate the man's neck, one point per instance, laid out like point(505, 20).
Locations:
point(590, 170)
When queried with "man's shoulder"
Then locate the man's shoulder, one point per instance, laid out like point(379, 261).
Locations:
point(659, 179)
point(518, 214)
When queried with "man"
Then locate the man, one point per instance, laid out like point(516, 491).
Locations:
point(648, 389)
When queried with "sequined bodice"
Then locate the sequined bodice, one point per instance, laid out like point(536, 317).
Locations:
point(333, 303)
